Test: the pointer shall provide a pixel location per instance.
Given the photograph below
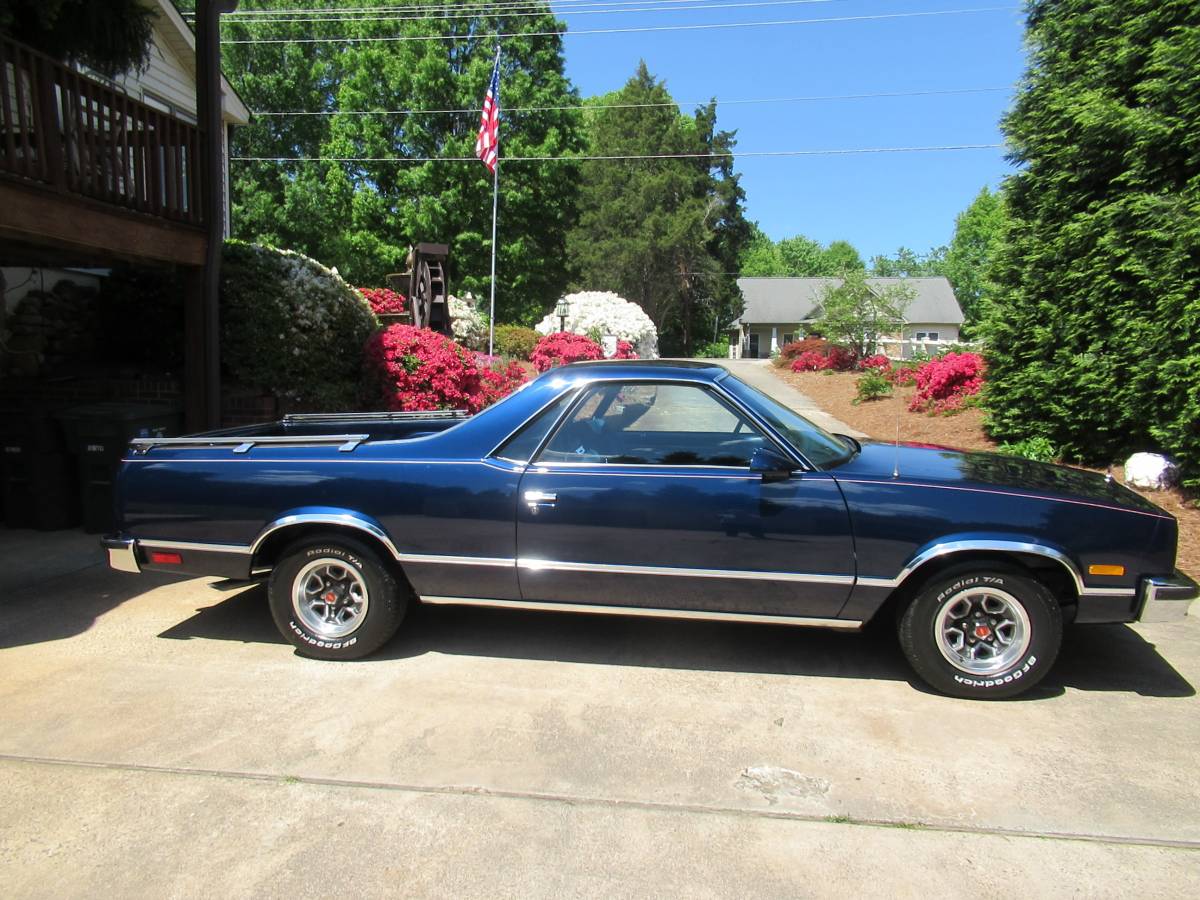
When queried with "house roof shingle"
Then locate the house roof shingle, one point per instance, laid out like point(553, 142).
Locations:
point(788, 300)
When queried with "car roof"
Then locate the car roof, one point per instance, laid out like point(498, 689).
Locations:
point(690, 369)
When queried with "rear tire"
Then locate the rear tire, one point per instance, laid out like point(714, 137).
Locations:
point(334, 598)
point(982, 631)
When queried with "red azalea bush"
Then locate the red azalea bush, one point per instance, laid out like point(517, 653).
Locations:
point(831, 358)
point(794, 348)
point(384, 301)
point(944, 383)
point(625, 351)
point(414, 368)
point(563, 347)
point(878, 362)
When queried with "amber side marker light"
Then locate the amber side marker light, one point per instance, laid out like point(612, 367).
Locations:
point(1106, 570)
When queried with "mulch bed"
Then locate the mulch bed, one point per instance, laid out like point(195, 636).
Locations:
point(834, 391)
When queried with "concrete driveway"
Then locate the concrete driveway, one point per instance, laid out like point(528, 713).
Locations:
point(157, 738)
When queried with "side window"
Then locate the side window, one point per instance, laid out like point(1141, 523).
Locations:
point(520, 447)
point(653, 424)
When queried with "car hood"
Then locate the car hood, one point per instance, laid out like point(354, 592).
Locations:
point(929, 464)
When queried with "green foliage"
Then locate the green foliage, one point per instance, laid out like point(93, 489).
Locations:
point(796, 257)
point(715, 350)
point(873, 384)
point(110, 37)
point(1038, 448)
point(516, 341)
point(978, 231)
point(1093, 332)
point(362, 216)
point(856, 314)
point(291, 326)
point(908, 264)
point(663, 233)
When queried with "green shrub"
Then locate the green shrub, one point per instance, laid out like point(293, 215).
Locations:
point(291, 326)
point(516, 341)
point(872, 385)
point(1038, 448)
point(715, 350)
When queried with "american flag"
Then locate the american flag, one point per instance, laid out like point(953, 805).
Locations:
point(487, 145)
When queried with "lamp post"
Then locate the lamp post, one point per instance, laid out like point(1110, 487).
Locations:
point(562, 311)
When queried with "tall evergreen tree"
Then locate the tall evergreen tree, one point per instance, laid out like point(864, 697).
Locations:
point(381, 181)
point(664, 233)
point(978, 231)
point(1094, 330)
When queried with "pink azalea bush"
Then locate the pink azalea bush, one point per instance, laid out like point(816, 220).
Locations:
point(625, 351)
point(384, 301)
point(413, 368)
point(830, 358)
point(564, 347)
point(945, 383)
point(878, 362)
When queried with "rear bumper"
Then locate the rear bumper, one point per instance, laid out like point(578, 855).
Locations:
point(1166, 599)
point(122, 554)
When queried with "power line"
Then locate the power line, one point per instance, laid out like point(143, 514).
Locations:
point(523, 109)
point(728, 155)
point(642, 29)
point(523, 10)
point(477, 8)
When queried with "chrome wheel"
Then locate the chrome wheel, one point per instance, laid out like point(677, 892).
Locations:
point(982, 630)
point(329, 597)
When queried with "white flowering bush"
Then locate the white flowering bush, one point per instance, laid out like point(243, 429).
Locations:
point(597, 313)
point(469, 324)
point(291, 326)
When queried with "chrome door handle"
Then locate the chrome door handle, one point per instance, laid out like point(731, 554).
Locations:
point(540, 499)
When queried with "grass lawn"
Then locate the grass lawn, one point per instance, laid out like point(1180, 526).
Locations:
point(833, 392)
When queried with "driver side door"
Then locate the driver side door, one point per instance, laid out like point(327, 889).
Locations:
point(644, 496)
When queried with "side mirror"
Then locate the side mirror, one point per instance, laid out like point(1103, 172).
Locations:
point(771, 465)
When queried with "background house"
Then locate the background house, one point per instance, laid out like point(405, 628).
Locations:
point(780, 310)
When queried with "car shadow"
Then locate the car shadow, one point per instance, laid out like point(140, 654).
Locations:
point(1094, 658)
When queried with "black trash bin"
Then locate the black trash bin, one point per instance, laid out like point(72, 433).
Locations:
point(38, 478)
point(98, 435)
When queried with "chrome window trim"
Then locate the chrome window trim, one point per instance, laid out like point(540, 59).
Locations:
point(549, 565)
point(549, 606)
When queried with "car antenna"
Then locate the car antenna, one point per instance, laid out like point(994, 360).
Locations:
point(896, 462)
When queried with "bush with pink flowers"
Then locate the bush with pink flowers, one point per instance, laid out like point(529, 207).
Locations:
point(878, 363)
point(564, 347)
point(832, 358)
point(625, 350)
point(409, 368)
point(945, 383)
point(384, 301)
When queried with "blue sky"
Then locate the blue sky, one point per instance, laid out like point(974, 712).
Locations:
point(877, 201)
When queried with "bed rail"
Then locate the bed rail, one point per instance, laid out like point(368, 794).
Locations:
point(243, 444)
point(304, 418)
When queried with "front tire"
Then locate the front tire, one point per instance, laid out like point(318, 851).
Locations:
point(982, 631)
point(333, 598)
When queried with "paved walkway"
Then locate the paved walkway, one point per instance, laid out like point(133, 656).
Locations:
point(757, 372)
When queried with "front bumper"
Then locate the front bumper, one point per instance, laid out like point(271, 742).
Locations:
point(1166, 599)
point(122, 554)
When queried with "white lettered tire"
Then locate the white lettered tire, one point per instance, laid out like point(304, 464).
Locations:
point(982, 631)
point(332, 597)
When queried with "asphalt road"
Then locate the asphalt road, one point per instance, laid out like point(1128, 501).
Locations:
point(158, 738)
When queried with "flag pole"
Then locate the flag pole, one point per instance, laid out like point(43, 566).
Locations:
point(495, 203)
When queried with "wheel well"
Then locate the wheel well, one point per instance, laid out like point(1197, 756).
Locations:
point(1049, 572)
point(269, 552)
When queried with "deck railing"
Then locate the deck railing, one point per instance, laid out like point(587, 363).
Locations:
point(75, 134)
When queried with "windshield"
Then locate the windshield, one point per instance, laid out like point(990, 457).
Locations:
point(817, 445)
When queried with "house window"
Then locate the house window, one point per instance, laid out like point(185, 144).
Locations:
point(921, 336)
point(788, 338)
point(933, 335)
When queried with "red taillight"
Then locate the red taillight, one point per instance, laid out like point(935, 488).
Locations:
point(165, 559)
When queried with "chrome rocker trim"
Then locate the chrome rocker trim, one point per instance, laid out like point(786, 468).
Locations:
point(544, 565)
point(841, 624)
point(1166, 599)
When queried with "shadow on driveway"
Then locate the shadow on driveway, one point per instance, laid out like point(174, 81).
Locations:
point(1093, 658)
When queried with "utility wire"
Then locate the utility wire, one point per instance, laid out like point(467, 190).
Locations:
point(476, 8)
point(521, 11)
point(727, 155)
point(523, 109)
point(639, 30)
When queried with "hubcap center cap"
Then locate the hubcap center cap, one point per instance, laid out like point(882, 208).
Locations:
point(983, 632)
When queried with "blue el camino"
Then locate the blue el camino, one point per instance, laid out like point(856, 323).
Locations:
point(661, 488)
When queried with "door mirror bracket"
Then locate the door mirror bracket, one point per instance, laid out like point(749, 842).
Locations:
point(771, 465)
